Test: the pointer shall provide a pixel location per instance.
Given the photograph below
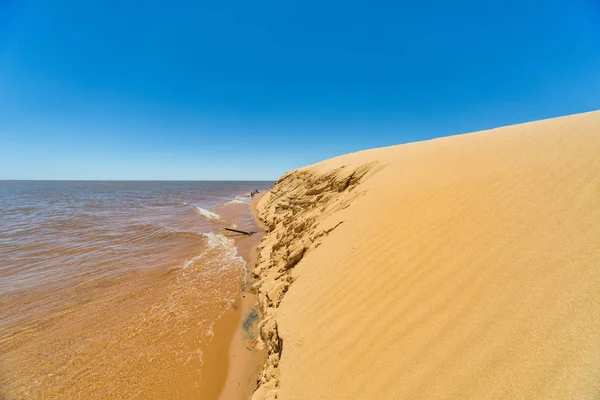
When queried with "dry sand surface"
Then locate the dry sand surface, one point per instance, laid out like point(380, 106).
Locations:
point(465, 267)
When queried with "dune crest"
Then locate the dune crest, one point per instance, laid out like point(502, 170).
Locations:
point(462, 267)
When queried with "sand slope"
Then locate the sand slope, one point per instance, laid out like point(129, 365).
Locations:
point(464, 268)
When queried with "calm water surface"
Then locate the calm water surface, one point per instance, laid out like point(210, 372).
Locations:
point(110, 289)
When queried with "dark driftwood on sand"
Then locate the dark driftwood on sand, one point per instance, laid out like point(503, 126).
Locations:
point(238, 231)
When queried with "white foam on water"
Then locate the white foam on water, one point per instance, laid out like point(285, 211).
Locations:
point(208, 214)
point(216, 261)
point(234, 201)
point(218, 240)
point(192, 261)
point(210, 332)
point(238, 200)
point(227, 252)
point(196, 354)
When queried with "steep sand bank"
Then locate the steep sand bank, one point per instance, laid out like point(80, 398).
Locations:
point(463, 267)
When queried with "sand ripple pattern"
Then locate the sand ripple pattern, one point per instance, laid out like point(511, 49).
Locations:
point(459, 268)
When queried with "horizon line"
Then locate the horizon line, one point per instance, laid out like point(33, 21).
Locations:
point(137, 180)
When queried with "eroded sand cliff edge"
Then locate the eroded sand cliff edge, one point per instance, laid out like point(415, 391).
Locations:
point(465, 267)
point(298, 212)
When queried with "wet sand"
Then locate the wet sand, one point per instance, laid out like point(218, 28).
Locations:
point(231, 366)
point(125, 308)
point(231, 363)
point(244, 362)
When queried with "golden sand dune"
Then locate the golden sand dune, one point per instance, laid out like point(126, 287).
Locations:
point(465, 267)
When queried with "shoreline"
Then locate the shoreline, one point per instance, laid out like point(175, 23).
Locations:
point(234, 362)
point(245, 359)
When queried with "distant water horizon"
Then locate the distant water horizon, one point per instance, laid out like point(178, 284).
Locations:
point(104, 283)
point(271, 182)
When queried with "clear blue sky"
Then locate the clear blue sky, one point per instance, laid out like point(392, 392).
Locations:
point(250, 89)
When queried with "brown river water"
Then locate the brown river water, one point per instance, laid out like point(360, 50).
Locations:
point(111, 289)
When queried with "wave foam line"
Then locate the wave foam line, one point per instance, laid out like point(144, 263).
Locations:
point(238, 200)
point(208, 214)
point(228, 252)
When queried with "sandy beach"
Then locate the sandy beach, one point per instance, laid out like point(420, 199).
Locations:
point(237, 359)
point(232, 361)
point(320, 200)
point(464, 267)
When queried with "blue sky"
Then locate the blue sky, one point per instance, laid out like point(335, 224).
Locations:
point(248, 90)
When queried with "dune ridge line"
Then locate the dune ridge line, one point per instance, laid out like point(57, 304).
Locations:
point(461, 267)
